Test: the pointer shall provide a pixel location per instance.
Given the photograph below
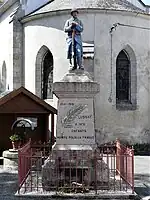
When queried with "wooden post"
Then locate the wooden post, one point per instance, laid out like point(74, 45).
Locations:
point(47, 128)
point(52, 128)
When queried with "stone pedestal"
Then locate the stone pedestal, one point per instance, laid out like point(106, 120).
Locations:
point(73, 157)
point(75, 122)
point(10, 159)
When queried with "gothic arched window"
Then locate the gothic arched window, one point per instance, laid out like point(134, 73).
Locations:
point(123, 77)
point(47, 76)
point(44, 73)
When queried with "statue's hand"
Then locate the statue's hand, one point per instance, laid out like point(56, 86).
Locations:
point(74, 23)
point(73, 26)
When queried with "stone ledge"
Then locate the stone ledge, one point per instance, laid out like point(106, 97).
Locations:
point(10, 159)
point(10, 155)
point(74, 89)
point(78, 196)
point(77, 75)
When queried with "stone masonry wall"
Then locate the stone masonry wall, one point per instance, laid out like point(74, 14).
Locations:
point(18, 72)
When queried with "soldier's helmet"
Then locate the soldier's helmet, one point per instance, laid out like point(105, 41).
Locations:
point(74, 10)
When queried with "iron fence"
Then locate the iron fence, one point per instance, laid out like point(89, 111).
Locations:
point(125, 163)
point(109, 167)
point(24, 162)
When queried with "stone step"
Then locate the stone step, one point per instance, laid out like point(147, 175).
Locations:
point(77, 197)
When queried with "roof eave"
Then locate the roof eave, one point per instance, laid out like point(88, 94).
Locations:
point(7, 5)
point(23, 90)
point(28, 18)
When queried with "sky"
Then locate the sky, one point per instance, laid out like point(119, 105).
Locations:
point(147, 2)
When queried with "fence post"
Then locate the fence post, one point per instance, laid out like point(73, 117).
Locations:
point(132, 170)
point(118, 152)
point(95, 163)
point(23, 166)
point(19, 171)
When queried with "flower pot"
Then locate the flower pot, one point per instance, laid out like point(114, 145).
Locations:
point(16, 145)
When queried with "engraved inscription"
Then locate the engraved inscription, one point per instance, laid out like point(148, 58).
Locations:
point(72, 114)
point(75, 122)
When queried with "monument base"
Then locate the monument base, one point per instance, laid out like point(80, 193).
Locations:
point(75, 165)
point(72, 167)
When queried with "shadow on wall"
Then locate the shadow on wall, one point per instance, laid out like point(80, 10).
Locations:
point(3, 77)
point(50, 22)
point(52, 19)
point(126, 137)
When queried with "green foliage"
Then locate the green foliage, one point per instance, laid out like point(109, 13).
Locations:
point(142, 149)
point(139, 149)
point(15, 137)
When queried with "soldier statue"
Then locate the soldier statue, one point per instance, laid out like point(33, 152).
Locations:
point(74, 27)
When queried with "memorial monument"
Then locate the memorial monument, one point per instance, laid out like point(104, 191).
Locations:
point(75, 134)
point(72, 160)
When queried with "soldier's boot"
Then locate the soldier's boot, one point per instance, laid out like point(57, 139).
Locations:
point(79, 61)
point(81, 67)
point(75, 64)
point(70, 63)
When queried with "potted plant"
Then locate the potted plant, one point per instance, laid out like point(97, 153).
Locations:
point(16, 141)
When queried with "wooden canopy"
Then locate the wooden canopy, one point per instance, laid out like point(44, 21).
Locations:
point(23, 101)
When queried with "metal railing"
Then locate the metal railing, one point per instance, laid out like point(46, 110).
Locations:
point(29, 156)
point(24, 162)
point(109, 167)
point(125, 163)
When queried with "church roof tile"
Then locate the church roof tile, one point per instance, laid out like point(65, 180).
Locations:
point(96, 4)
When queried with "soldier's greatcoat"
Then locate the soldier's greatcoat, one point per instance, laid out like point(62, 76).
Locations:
point(78, 29)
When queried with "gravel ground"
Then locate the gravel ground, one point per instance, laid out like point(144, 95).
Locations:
point(142, 176)
point(8, 184)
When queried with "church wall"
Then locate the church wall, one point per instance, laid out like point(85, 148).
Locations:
point(44, 32)
point(37, 35)
point(6, 45)
point(131, 125)
point(48, 31)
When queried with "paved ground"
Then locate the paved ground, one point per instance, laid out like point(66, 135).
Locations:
point(142, 176)
point(8, 180)
point(8, 184)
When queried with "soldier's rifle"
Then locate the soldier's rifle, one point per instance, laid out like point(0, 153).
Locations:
point(73, 47)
